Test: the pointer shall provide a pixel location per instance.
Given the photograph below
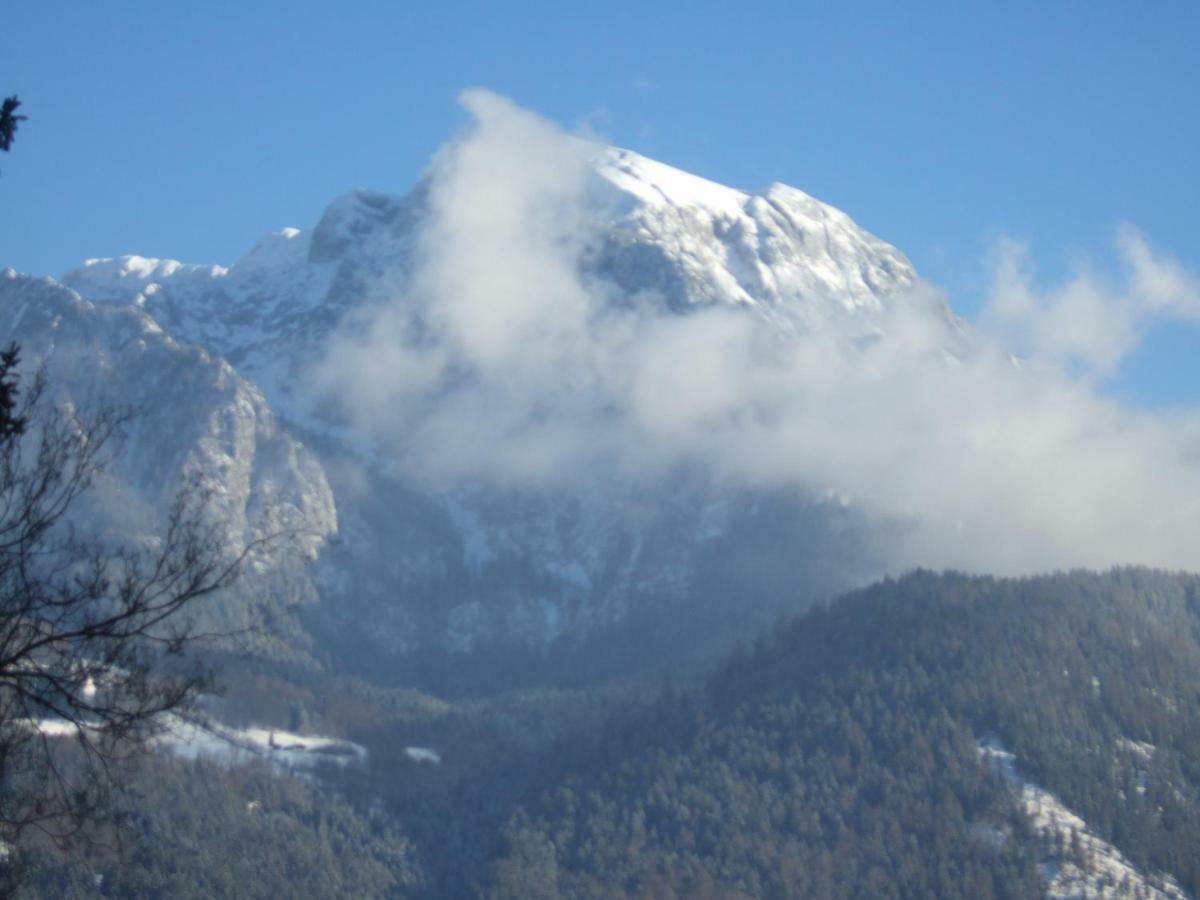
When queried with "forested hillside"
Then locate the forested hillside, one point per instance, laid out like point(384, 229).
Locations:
point(840, 755)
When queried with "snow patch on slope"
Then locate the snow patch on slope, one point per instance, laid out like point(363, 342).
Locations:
point(285, 750)
point(1074, 861)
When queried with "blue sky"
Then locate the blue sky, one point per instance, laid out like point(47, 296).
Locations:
point(188, 131)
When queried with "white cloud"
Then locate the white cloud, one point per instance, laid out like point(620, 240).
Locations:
point(1090, 322)
point(501, 361)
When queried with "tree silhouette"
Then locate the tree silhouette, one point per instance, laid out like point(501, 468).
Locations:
point(95, 638)
point(9, 121)
point(11, 424)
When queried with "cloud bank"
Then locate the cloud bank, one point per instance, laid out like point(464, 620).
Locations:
point(498, 360)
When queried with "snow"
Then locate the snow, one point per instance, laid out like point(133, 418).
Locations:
point(1102, 870)
point(423, 755)
point(1143, 755)
point(279, 249)
point(285, 749)
point(658, 184)
point(1141, 749)
point(222, 743)
point(51, 727)
point(113, 273)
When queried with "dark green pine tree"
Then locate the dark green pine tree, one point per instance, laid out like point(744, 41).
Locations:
point(9, 121)
point(11, 424)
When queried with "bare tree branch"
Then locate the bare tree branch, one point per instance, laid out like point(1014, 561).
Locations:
point(94, 639)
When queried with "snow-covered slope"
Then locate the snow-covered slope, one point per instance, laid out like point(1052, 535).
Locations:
point(1074, 861)
point(415, 564)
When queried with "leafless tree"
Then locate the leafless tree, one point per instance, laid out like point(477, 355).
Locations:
point(96, 638)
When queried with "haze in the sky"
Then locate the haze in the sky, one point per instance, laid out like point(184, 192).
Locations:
point(954, 132)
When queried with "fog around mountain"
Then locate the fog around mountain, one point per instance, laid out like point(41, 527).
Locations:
point(507, 357)
point(560, 386)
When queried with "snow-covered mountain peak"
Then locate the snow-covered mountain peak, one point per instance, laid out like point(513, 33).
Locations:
point(122, 279)
point(659, 236)
point(287, 246)
point(350, 221)
point(656, 184)
point(781, 252)
point(664, 233)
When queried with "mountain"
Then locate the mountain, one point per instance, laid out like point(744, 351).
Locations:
point(193, 422)
point(663, 232)
point(220, 362)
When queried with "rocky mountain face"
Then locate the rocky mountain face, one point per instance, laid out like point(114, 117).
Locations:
point(218, 362)
point(192, 420)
